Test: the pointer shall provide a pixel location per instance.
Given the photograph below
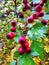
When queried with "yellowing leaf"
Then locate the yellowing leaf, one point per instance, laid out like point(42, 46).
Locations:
point(46, 48)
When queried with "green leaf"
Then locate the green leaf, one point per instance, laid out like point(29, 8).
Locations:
point(9, 42)
point(25, 60)
point(34, 53)
point(0, 13)
point(19, 0)
point(46, 16)
point(28, 60)
point(13, 62)
point(20, 61)
point(37, 31)
point(21, 20)
point(37, 25)
point(8, 27)
point(17, 37)
point(35, 46)
point(16, 54)
point(20, 7)
point(47, 6)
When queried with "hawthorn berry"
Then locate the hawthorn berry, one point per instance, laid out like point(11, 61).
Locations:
point(35, 16)
point(13, 23)
point(20, 15)
point(44, 22)
point(22, 40)
point(13, 29)
point(30, 19)
point(10, 35)
point(28, 50)
point(38, 8)
point(20, 50)
point(26, 45)
point(40, 14)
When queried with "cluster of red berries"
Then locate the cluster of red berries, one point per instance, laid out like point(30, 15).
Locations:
point(13, 24)
point(38, 9)
point(35, 4)
point(26, 6)
point(11, 34)
point(24, 48)
point(39, 13)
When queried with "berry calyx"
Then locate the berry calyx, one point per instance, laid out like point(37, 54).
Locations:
point(13, 23)
point(44, 22)
point(20, 50)
point(38, 8)
point(30, 19)
point(13, 29)
point(35, 16)
point(10, 35)
point(22, 40)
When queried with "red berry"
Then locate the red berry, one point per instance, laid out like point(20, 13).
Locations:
point(44, 22)
point(28, 50)
point(20, 50)
point(35, 16)
point(25, 1)
point(38, 8)
point(13, 29)
point(30, 19)
point(26, 45)
point(40, 14)
point(20, 15)
point(22, 40)
point(10, 35)
point(13, 23)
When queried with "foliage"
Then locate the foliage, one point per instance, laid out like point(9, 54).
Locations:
point(35, 34)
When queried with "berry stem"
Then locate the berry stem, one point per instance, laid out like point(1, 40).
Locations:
point(15, 7)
